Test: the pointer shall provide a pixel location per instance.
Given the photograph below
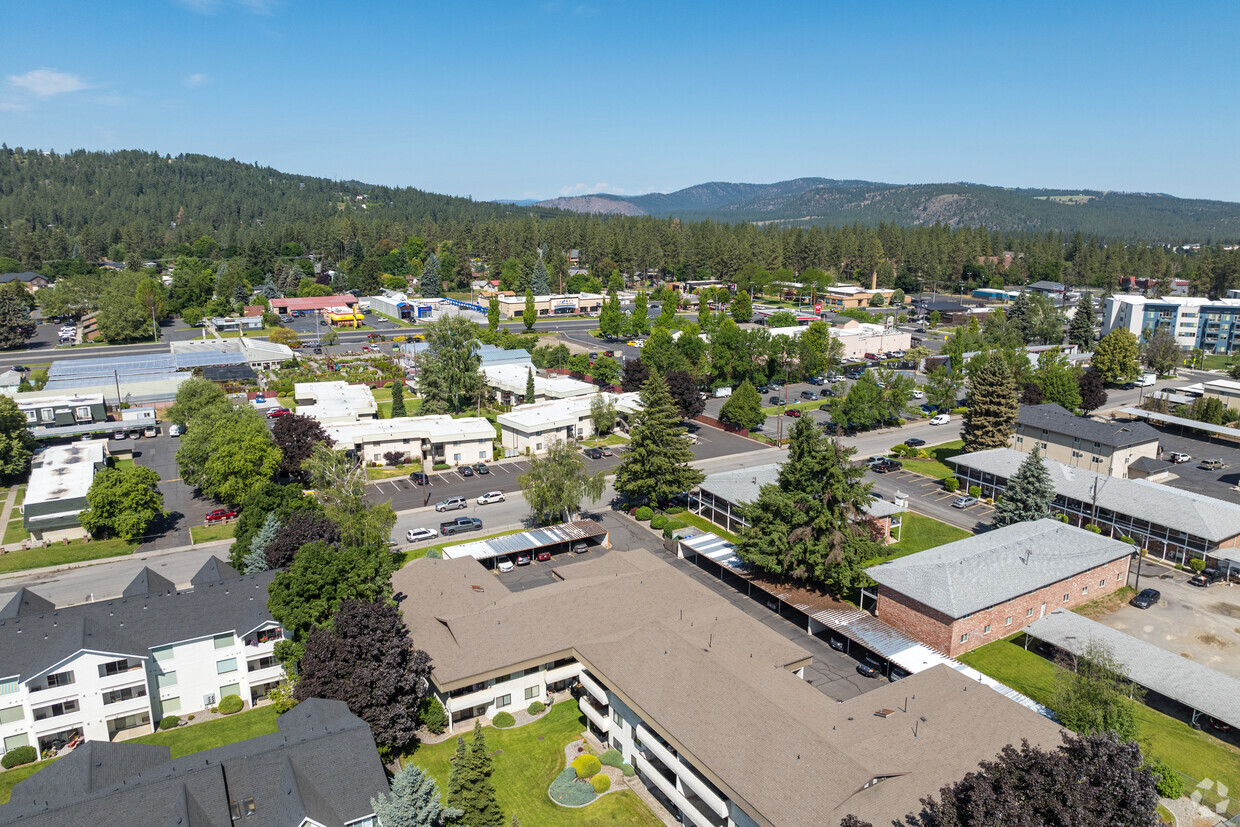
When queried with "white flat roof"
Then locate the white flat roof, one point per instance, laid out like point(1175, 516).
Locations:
point(438, 428)
point(64, 472)
point(334, 401)
point(555, 413)
point(512, 378)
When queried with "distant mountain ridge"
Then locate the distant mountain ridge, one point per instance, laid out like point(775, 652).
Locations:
point(807, 201)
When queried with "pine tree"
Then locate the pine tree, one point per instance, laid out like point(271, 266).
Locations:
point(469, 786)
point(414, 802)
point(1028, 495)
point(639, 319)
point(656, 466)
point(993, 402)
point(398, 399)
point(1020, 314)
point(256, 558)
point(1081, 332)
point(431, 282)
point(542, 283)
point(611, 318)
point(529, 315)
point(742, 308)
point(529, 386)
point(493, 314)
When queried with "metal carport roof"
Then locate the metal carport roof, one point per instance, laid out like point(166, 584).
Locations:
point(528, 540)
point(1198, 687)
point(1168, 419)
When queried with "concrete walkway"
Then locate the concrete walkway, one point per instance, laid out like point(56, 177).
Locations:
point(10, 502)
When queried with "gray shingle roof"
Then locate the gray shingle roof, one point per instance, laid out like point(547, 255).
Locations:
point(132, 626)
point(24, 602)
point(148, 582)
point(214, 570)
point(1149, 465)
point(1197, 687)
point(1195, 514)
point(320, 765)
point(1053, 418)
point(964, 577)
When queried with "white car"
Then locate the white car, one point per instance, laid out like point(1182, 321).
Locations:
point(919, 394)
point(504, 565)
point(417, 535)
point(491, 497)
point(1178, 457)
point(174, 430)
point(941, 419)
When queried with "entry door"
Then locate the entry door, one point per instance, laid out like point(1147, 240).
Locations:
point(1042, 613)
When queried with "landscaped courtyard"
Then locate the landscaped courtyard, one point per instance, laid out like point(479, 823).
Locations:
point(529, 758)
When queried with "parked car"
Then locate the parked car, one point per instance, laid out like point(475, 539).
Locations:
point(777, 385)
point(775, 400)
point(919, 394)
point(867, 671)
point(914, 442)
point(793, 412)
point(419, 478)
point(941, 419)
point(276, 413)
point(963, 502)
point(119, 433)
point(1217, 725)
point(543, 556)
point(491, 497)
point(504, 565)
point(1213, 465)
point(318, 350)
point(762, 388)
point(460, 524)
point(220, 515)
point(593, 453)
point(580, 548)
point(150, 430)
point(1206, 577)
point(885, 465)
point(466, 471)
point(809, 396)
point(417, 535)
point(825, 406)
point(607, 452)
point(1179, 457)
point(1147, 598)
point(481, 469)
point(451, 504)
point(816, 380)
point(838, 644)
point(175, 430)
point(523, 558)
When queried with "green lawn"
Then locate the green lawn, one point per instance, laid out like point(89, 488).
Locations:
point(61, 554)
point(526, 767)
point(936, 466)
point(21, 495)
point(9, 778)
point(1219, 361)
point(919, 533)
point(207, 533)
point(704, 524)
point(209, 734)
point(15, 531)
point(610, 439)
point(1190, 751)
point(124, 463)
point(392, 319)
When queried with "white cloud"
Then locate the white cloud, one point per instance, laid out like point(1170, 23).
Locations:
point(44, 83)
point(196, 79)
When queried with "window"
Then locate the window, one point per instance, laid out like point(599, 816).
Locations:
point(531, 692)
point(223, 667)
point(964, 638)
point(47, 415)
point(503, 701)
point(224, 641)
point(1065, 598)
point(116, 667)
point(1084, 589)
point(1119, 577)
point(482, 455)
point(1029, 612)
point(171, 705)
point(59, 679)
point(1102, 584)
point(31, 416)
point(231, 689)
point(53, 710)
point(13, 713)
point(986, 630)
point(127, 694)
point(83, 413)
point(166, 680)
point(15, 741)
point(1008, 621)
point(615, 716)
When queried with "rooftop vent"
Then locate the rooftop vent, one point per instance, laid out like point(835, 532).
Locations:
point(885, 713)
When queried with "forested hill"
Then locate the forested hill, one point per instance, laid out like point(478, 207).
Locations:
point(821, 201)
point(225, 199)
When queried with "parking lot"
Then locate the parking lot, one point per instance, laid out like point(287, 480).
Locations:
point(1222, 483)
point(1200, 624)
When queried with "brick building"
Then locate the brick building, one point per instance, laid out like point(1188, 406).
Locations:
point(965, 594)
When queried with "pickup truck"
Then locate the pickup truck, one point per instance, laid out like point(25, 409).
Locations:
point(460, 524)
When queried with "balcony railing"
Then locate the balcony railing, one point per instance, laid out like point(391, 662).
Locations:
point(593, 687)
point(481, 697)
point(598, 717)
point(684, 772)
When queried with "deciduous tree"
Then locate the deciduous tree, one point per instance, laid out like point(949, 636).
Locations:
point(448, 367)
point(1115, 357)
point(744, 407)
point(17, 444)
point(298, 529)
point(284, 336)
point(636, 375)
point(226, 452)
point(602, 413)
point(606, 371)
point(639, 318)
point(529, 315)
point(493, 313)
point(611, 317)
point(15, 324)
point(1162, 354)
point(1057, 380)
point(123, 502)
point(194, 395)
point(339, 482)
point(1028, 495)
point(1092, 694)
point(741, 308)
point(557, 483)
point(656, 466)
point(296, 435)
point(1093, 392)
point(685, 393)
point(321, 577)
point(993, 403)
point(365, 659)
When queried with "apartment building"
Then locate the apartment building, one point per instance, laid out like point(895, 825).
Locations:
point(112, 666)
point(435, 439)
point(1196, 322)
point(965, 594)
point(1107, 447)
point(60, 479)
point(332, 403)
point(532, 428)
point(706, 703)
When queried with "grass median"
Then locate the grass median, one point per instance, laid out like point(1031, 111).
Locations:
point(217, 733)
point(59, 554)
point(936, 465)
point(414, 554)
point(210, 533)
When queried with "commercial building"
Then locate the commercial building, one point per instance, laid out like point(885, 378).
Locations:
point(434, 439)
point(1174, 524)
point(706, 703)
point(332, 403)
point(532, 428)
point(556, 304)
point(223, 324)
point(509, 380)
point(97, 669)
point(401, 306)
point(966, 594)
point(312, 304)
point(1108, 447)
point(1210, 324)
point(858, 338)
point(319, 768)
point(1226, 391)
point(721, 499)
point(257, 353)
point(60, 478)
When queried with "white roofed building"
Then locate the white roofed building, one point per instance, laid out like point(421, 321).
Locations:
point(437, 439)
point(532, 428)
point(509, 383)
point(60, 477)
point(335, 402)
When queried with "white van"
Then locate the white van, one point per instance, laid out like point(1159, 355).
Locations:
point(1146, 380)
point(941, 419)
point(723, 392)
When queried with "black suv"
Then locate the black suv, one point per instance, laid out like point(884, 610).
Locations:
point(419, 478)
point(460, 524)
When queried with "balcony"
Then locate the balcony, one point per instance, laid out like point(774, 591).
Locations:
point(593, 688)
point(687, 775)
point(266, 638)
point(482, 697)
point(560, 673)
point(597, 716)
point(690, 813)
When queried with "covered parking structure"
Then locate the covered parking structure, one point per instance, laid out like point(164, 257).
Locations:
point(1155, 418)
point(1201, 689)
point(554, 539)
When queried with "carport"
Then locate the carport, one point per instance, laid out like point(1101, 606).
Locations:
point(555, 539)
point(85, 429)
point(1201, 689)
point(1155, 418)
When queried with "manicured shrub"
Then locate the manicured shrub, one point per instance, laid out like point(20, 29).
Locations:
point(628, 770)
point(587, 765)
point(675, 509)
point(644, 513)
point(169, 722)
point(535, 708)
point(1095, 529)
point(18, 756)
point(951, 484)
point(1197, 564)
point(435, 554)
point(600, 783)
point(441, 466)
point(960, 411)
point(1128, 540)
point(1167, 781)
point(565, 790)
point(231, 704)
point(611, 758)
point(975, 491)
point(503, 720)
point(658, 522)
point(434, 716)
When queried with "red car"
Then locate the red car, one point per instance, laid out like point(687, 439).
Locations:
point(276, 413)
point(793, 412)
point(220, 515)
point(543, 556)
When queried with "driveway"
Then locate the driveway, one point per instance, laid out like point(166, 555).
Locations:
point(185, 507)
point(1198, 624)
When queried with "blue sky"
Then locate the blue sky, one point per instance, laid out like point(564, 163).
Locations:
point(538, 99)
